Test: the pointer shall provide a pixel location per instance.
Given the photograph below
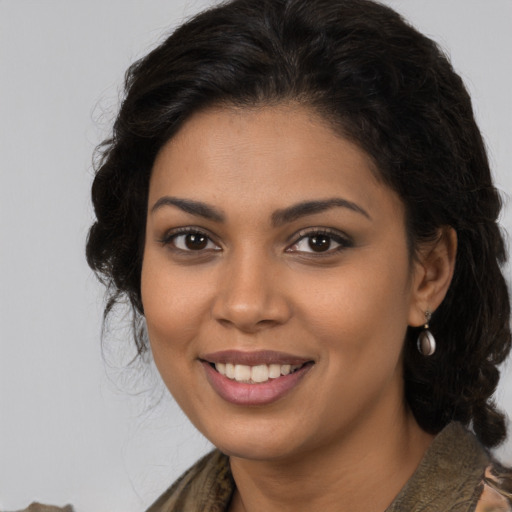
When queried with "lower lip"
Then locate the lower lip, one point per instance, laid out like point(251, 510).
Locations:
point(240, 393)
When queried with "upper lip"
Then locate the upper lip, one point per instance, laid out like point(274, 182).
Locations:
point(253, 358)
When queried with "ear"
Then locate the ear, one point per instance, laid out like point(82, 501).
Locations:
point(432, 274)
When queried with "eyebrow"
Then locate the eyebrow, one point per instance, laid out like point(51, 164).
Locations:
point(279, 217)
point(197, 208)
point(299, 210)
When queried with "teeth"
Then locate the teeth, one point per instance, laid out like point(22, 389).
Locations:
point(274, 371)
point(255, 374)
point(230, 371)
point(259, 373)
point(242, 372)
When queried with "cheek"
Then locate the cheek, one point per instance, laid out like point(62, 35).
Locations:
point(172, 308)
point(174, 304)
point(360, 308)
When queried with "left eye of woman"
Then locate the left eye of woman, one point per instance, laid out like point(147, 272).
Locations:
point(190, 241)
point(319, 242)
point(193, 242)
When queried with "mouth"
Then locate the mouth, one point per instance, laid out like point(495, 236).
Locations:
point(257, 374)
point(254, 378)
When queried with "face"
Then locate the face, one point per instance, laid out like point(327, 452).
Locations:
point(276, 282)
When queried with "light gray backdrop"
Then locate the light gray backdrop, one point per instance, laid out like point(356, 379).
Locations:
point(72, 428)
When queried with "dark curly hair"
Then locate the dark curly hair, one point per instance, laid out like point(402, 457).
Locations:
point(384, 86)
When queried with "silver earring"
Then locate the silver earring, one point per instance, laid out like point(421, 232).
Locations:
point(426, 341)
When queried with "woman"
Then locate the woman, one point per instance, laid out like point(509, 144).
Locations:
point(297, 203)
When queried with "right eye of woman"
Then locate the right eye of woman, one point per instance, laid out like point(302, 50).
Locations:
point(190, 240)
point(319, 242)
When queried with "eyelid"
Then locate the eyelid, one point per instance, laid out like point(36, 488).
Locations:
point(338, 236)
point(173, 233)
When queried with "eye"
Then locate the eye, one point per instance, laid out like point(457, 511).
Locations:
point(320, 242)
point(190, 241)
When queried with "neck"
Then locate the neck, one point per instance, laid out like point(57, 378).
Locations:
point(337, 476)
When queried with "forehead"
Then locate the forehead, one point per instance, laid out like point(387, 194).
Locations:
point(261, 157)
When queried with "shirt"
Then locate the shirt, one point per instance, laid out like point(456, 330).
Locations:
point(456, 474)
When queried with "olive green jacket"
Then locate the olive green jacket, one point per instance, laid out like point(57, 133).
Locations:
point(456, 475)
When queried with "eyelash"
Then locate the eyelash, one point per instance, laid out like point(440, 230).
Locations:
point(170, 237)
point(342, 240)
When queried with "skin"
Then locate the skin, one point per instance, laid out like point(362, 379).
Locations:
point(260, 286)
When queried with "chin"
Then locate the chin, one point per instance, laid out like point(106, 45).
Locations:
point(250, 450)
point(258, 441)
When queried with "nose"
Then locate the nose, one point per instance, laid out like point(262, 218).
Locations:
point(251, 295)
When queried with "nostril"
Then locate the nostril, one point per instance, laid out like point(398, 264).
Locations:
point(250, 307)
point(247, 326)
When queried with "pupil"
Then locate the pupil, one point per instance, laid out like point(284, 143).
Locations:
point(195, 241)
point(319, 243)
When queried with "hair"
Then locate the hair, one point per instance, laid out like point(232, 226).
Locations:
point(384, 86)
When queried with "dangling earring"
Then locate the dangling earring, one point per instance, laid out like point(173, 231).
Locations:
point(426, 341)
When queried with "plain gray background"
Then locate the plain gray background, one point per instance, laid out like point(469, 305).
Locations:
point(74, 426)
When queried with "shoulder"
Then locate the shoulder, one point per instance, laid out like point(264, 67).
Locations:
point(38, 507)
point(456, 474)
point(206, 486)
point(496, 494)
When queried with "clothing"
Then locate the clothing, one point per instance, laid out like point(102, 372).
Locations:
point(455, 475)
point(38, 507)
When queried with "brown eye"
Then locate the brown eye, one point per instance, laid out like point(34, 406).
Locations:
point(319, 243)
point(196, 241)
point(193, 242)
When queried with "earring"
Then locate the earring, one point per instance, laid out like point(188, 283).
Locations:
point(426, 341)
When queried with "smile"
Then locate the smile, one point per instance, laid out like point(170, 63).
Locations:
point(255, 374)
point(254, 378)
